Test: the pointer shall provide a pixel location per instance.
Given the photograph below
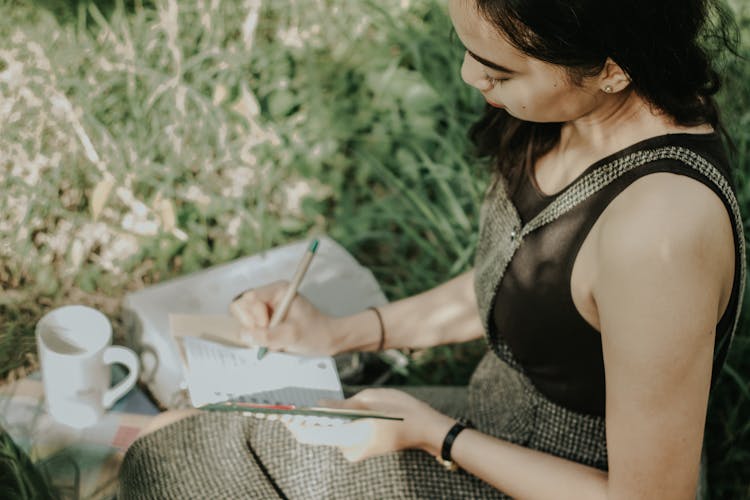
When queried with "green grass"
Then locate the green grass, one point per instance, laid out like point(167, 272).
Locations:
point(142, 142)
point(728, 425)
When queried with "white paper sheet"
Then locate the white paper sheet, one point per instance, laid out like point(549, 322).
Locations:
point(218, 373)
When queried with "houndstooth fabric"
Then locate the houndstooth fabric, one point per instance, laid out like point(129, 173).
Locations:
point(217, 455)
point(209, 456)
point(534, 421)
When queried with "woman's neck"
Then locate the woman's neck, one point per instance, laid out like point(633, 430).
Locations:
point(618, 122)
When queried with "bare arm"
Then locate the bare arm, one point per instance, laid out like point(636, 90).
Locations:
point(658, 311)
point(445, 314)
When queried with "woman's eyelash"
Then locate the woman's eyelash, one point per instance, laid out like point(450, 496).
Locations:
point(495, 81)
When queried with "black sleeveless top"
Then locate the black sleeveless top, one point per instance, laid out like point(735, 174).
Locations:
point(533, 310)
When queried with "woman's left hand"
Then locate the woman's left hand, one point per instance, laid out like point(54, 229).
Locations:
point(422, 427)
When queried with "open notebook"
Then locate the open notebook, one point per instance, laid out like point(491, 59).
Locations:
point(225, 375)
point(219, 368)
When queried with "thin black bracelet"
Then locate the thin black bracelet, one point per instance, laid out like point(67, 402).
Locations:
point(381, 344)
point(239, 295)
point(445, 452)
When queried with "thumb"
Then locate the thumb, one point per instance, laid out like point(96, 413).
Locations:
point(248, 339)
point(277, 338)
point(255, 337)
point(333, 403)
point(353, 403)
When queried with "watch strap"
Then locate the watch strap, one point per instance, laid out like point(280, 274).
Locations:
point(450, 437)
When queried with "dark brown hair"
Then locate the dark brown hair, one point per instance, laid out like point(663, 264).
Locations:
point(665, 47)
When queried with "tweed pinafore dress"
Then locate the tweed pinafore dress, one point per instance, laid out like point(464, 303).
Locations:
point(217, 455)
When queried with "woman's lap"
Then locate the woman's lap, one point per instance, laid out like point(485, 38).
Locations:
point(212, 455)
point(219, 455)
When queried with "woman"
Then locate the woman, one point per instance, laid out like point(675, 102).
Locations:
point(607, 281)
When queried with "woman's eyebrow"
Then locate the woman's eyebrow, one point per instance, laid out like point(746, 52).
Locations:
point(490, 64)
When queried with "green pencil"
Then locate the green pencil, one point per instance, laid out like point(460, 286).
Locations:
point(280, 312)
point(308, 411)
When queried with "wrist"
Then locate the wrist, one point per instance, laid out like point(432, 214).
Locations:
point(358, 332)
point(432, 433)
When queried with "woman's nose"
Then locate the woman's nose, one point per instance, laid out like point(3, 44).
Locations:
point(473, 74)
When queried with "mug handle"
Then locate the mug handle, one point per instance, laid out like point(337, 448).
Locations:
point(124, 356)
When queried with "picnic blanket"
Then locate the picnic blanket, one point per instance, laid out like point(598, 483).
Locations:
point(81, 463)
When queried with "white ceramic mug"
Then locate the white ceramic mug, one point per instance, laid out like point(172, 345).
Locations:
point(75, 353)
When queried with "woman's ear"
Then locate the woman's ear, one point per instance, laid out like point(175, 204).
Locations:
point(613, 78)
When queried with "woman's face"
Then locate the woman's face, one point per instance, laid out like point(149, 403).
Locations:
point(529, 89)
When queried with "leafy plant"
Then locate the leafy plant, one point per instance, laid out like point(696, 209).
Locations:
point(19, 477)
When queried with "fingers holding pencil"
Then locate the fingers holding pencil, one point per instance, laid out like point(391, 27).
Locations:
point(254, 308)
point(291, 291)
point(304, 330)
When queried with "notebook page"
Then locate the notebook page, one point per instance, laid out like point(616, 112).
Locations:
point(218, 372)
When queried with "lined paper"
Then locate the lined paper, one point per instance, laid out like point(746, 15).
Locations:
point(218, 372)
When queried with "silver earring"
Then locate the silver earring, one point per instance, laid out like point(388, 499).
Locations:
point(608, 89)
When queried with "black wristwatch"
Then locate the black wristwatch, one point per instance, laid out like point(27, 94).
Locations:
point(445, 451)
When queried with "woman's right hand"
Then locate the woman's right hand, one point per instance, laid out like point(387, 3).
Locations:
point(304, 330)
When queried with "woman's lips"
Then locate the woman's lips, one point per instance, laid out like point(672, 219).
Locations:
point(494, 104)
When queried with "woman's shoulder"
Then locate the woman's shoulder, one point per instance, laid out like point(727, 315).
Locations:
point(676, 194)
point(664, 204)
point(667, 227)
point(682, 181)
